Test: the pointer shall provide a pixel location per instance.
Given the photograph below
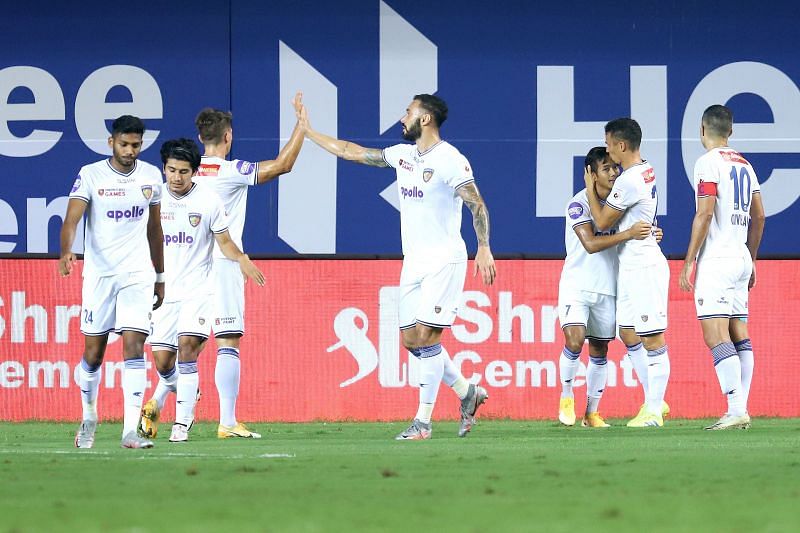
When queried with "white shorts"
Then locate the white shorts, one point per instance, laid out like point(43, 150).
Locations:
point(642, 297)
point(594, 311)
point(227, 315)
point(720, 288)
point(121, 302)
point(430, 293)
point(176, 319)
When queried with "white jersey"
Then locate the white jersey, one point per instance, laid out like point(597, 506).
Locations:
point(583, 271)
point(736, 182)
point(189, 223)
point(430, 207)
point(116, 217)
point(635, 193)
point(230, 180)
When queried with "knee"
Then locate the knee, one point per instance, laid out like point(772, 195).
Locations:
point(573, 341)
point(188, 350)
point(93, 357)
point(133, 346)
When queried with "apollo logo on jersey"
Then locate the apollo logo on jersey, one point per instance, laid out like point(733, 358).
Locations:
point(180, 238)
point(133, 213)
point(411, 193)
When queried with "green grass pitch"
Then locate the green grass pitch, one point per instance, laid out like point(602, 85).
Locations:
point(505, 476)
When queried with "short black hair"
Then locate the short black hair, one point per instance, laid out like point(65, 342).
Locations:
point(127, 124)
point(626, 129)
point(433, 105)
point(182, 150)
point(595, 157)
point(718, 120)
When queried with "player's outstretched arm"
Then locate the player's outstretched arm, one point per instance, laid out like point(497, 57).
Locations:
point(700, 225)
point(596, 243)
point(155, 238)
point(343, 149)
point(75, 210)
point(283, 163)
point(232, 252)
point(757, 221)
point(484, 261)
point(604, 217)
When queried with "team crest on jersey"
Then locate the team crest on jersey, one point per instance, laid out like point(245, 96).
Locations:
point(700, 301)
point(147, 191)
point(644, 318)
point(427, 174)
point(194, 219)
point(76, 185)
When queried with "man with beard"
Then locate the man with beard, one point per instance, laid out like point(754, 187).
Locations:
point(434, 180)
point(121, 198)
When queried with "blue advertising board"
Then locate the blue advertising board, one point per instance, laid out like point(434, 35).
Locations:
point(529, 87)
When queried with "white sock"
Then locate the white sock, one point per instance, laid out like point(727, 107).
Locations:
point(166, 383)
point(638, 357)
point(89, 382)
point(188, 381)
point(596, 376)
point(745, 350)
point(658, 368)
point(729, 374)
point(567, 368)
point(431, 370)
point(134, 379)
point(226, 376)
point(452, 376)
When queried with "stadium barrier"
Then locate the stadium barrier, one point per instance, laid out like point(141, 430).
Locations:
point(322, 343)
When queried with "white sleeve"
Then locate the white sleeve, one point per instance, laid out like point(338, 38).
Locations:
point(623, 194)
point(219, 219)
point(244, 172)
point(393, 154)
point(80, 188)
point(460, 172)
point(577, 213)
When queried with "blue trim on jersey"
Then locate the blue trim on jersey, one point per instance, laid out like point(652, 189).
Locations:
point(185, 195)
point(740, 316)
point(471, 180)
point(135, 166)
point(79, 198)
point(626, 327)
point(429, 149)
point(255, 175)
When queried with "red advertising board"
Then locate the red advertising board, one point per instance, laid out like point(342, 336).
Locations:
point(322, 343)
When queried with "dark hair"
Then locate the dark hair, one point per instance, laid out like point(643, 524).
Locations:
point(433, 105)
point(212, 124)
point(595, 157)
point(718, 120)
point(626, 129)
point(182, 150)
point(127, 124)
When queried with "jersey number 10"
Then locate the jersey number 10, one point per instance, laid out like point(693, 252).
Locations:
point(741, 198)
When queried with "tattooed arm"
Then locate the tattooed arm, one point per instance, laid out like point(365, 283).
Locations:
point(484, 262)
point(340, 148)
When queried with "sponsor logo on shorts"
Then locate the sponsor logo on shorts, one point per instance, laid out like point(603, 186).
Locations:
point(147, 191)
point(76, 185)
point(575, 210)
point(224, 320)
point(411, 193)
point(427, 174)
point(700, 301)
point(645, 318)
point(722, 300)
point(133, 213)
point(194, 219)
point(180, 238)
point(244, 167)
point(437, 309)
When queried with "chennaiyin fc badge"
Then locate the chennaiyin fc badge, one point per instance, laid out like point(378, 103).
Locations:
point(147, 191)
point(194, 219)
